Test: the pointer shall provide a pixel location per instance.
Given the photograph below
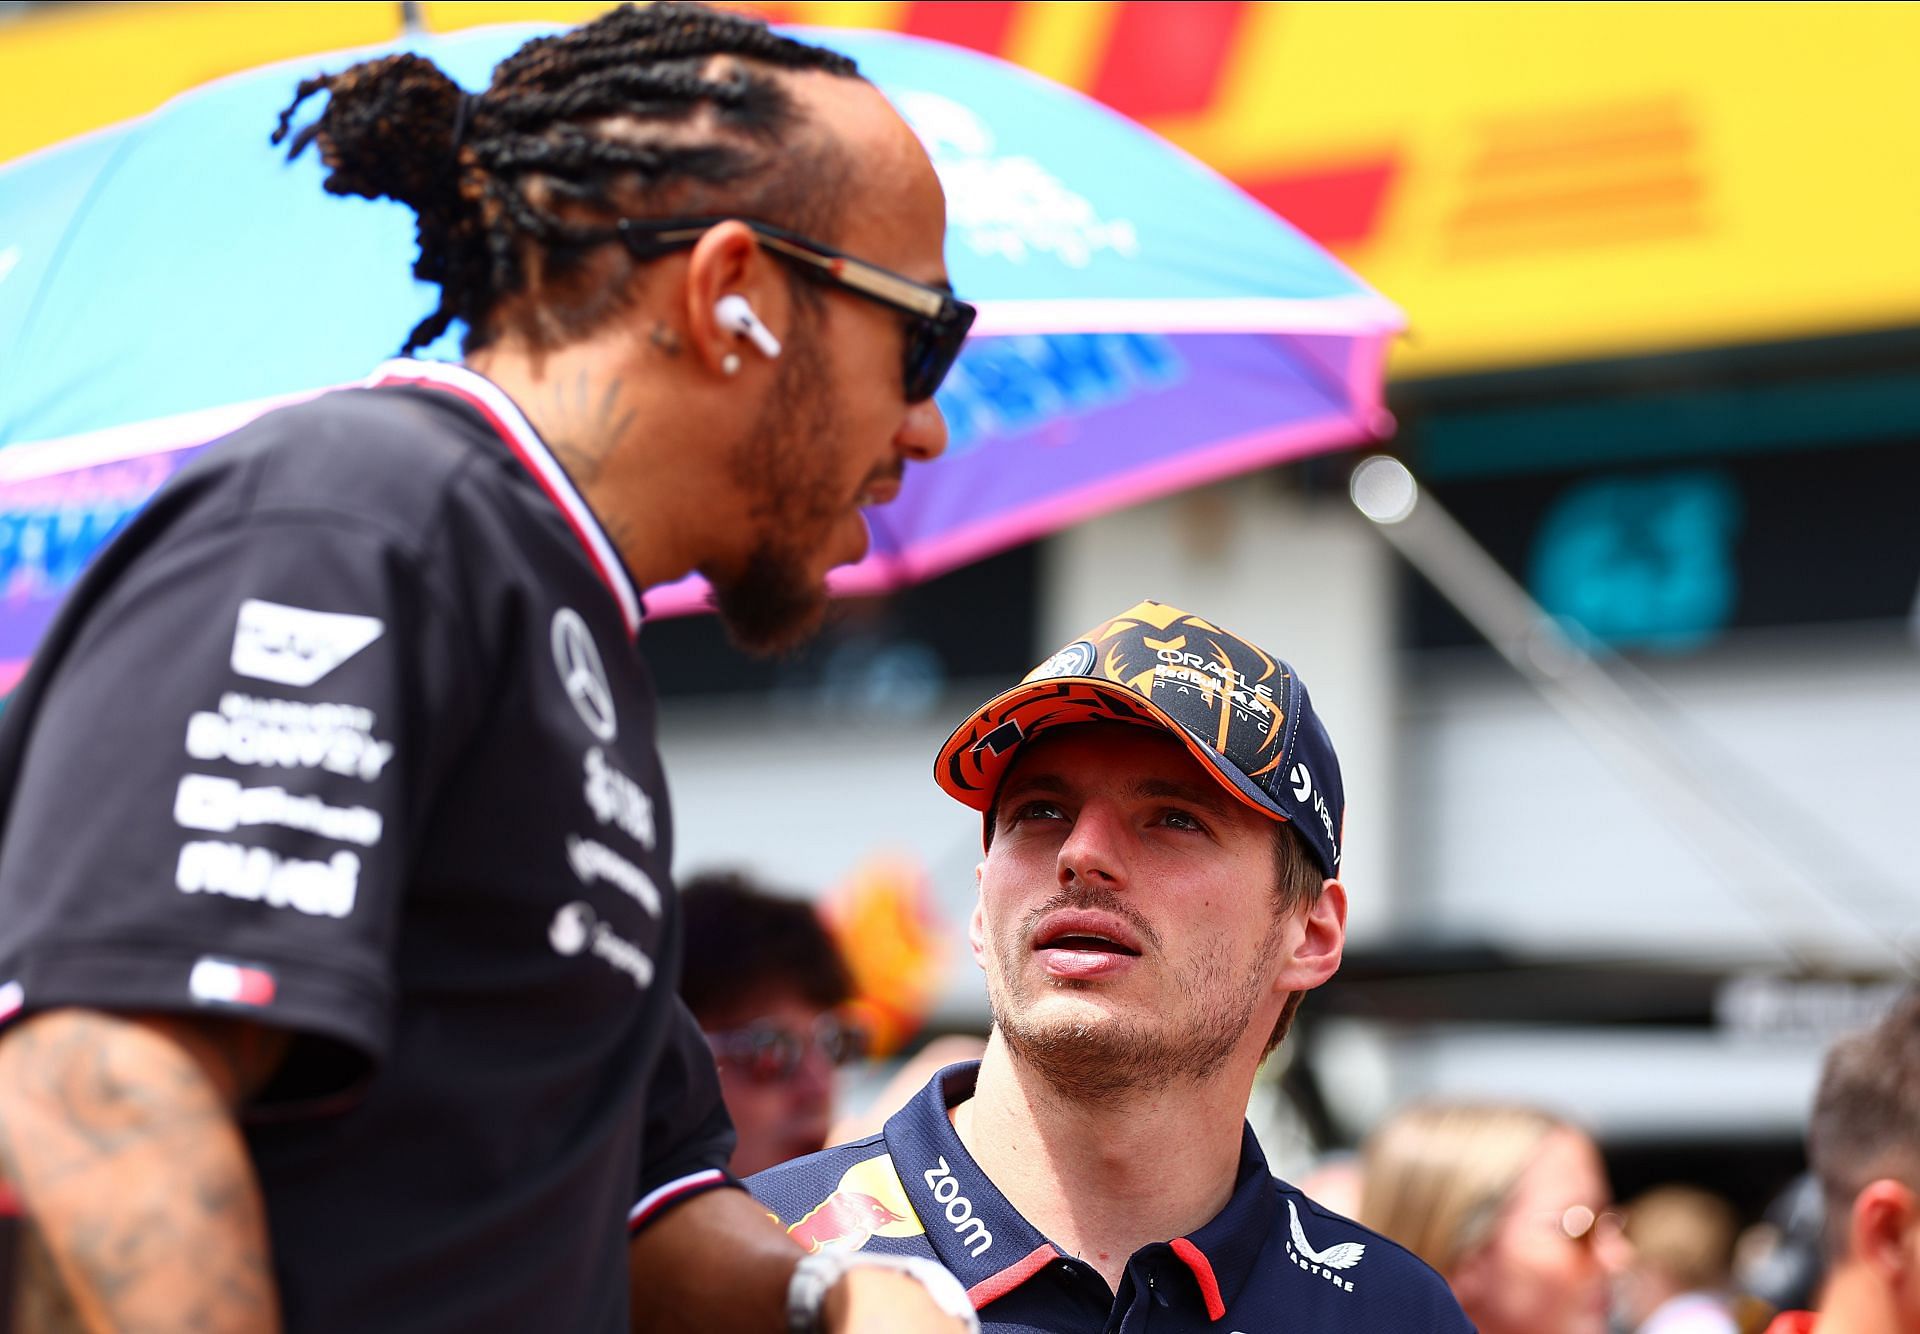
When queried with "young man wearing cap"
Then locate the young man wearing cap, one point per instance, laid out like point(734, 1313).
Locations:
point(1162, 827)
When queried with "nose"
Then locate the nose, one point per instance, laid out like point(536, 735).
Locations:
point(1093, 850)
point(812, 1082)
point(922, 437)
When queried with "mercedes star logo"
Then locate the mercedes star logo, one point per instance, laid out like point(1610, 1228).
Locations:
point(581, 674)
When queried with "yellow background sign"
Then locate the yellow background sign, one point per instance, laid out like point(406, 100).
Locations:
point(1531, 182)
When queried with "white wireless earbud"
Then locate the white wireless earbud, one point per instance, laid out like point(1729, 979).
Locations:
point(734, 313)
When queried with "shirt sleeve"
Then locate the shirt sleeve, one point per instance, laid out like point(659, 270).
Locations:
point(213, 806)
point(689, 1137)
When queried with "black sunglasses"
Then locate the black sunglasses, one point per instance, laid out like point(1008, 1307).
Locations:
point(769, 1053)
point(937, 323)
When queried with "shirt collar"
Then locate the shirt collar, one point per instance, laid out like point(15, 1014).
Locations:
point(1230, 1244)
point(980, 1238)
point(962, 1209)
point(513, 428)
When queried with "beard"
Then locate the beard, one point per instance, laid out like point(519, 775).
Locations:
point(1188, 1040)
point(772, 605)
point(774, 601)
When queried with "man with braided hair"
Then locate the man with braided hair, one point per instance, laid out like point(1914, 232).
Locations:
point(351, 1006)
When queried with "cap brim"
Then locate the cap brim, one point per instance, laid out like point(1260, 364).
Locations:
point(976, 756)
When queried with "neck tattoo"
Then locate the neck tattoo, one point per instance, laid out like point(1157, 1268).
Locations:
point(588, 421)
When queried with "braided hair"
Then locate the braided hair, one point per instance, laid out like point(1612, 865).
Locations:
point(524, 176)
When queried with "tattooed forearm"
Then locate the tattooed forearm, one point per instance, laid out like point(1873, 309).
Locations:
point(118, 1135)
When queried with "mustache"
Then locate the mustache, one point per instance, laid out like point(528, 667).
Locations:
point(1091, 898)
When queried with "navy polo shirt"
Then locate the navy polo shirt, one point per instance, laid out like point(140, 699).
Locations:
point(1271, 1260)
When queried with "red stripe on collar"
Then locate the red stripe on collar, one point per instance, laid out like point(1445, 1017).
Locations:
point(999, 1285)
point(1203, 1275)
point(492, 403)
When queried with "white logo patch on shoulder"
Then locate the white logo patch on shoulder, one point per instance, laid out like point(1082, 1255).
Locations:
point(1326, 1264)
point(578, 659)
point(297, 646)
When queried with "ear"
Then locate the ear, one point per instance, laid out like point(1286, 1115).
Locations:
point(728, 261)
point(1881, 1229)
point(976, 922)
point(1323, 938)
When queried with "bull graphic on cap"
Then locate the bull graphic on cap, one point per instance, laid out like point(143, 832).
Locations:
point(1241, 711)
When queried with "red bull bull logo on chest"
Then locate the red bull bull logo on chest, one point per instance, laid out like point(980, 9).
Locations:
point(868, 1202)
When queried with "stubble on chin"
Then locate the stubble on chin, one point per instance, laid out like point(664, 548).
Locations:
point(1096, 1052)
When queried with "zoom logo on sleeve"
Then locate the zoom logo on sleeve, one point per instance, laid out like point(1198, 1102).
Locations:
point(296, 646)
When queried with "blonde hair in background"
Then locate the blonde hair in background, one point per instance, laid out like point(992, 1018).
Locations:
point(1686, 1232)
point(1436, 1175)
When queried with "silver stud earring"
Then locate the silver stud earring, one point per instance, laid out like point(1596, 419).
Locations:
point(730, 363)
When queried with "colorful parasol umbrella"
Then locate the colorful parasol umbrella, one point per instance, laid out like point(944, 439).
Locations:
point(1144, 326)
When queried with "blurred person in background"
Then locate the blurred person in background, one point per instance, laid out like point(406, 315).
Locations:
point(766, 982)
point(1864, 1144)
point(337, 943)
point(1679, 1279)
point(1779, 1262)
point(1161, 815)
point(1511, 1204)
point(1334, 1181)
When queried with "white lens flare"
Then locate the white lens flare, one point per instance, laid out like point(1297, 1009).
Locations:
point(1384, 490)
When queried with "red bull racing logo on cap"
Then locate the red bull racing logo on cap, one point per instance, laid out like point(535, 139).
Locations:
point(868, 1202)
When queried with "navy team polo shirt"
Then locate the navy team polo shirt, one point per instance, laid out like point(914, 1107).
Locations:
point(1271, 1261)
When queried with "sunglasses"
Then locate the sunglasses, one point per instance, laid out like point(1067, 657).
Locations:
point(1581, 1225)
point(937, 323)
point(770, 1053)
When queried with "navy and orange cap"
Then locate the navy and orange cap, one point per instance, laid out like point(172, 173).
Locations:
point(1243, 713)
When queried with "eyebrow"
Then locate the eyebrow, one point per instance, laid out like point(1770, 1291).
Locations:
point(1194, 794)
point(1042, 782)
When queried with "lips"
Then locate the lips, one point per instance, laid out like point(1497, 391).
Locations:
point(1084, 932)
point(881, 490)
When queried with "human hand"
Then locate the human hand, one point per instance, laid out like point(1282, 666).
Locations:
point(884, 1294)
